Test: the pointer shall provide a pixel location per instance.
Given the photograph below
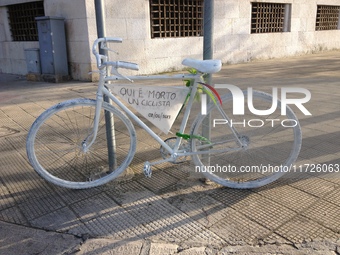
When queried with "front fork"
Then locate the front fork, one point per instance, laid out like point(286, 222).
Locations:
point(89, 140)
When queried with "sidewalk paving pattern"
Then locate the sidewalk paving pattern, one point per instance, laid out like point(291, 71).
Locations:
point(173, 212)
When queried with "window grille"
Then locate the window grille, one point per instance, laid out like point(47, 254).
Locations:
point(270, 17)
point(176, 18)
point(327, 17)
point(22, 20)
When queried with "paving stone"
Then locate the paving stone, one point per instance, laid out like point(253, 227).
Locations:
point(13, 215)
point(158, 181)
point(149, 209)
point(328, 147)
point(146, 153)
point(5, 197)
point(264, 211)
point(164, 221)
point(70, 196)
point(288, 196)
point(314, 186)
point(20, 240)
point(8, 126)
point(324, 159)
point(237, 229)
point(31, 108)
point(118, 224)
point(319, 127)
point(59, 220)
point(200, 207)
point(330, 177)
point(311, 154)
point(312, 134)
point(179, 171)
point(275, 239)
point(326, 214)
point(126, 193)
point(300, 229)
point(331, 170)
point(17, 174)
point(163, 248)
point(110, 247)
point(20, 117)
point(309, 143)
point(205, 238)
point(17, 142)
point(7, 131)
point(193, 251)
point(22, 182)
point(229, 197)
point(271, 250)
point(80, 230)
point(93, 207)
point(333, 197)
point(36, 207)
point(319, 245)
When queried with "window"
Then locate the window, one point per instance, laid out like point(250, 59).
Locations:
point(270, 17)
point(327, 17)
point(22, 20)
point(176, 18)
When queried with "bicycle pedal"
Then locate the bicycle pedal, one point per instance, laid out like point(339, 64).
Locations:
point(147, 169)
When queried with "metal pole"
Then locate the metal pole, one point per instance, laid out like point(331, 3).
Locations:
point(100, 20)
point(208, 24)
point(101, 32)
point(208, 27)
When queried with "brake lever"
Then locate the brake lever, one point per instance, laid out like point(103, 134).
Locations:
point(103, 46)
point(115, 72)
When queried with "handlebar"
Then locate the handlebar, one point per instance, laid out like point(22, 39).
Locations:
point(123, 64)
point(104, 40)
point(102, 59)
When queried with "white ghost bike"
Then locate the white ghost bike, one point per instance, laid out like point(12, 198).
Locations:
point(83, 143)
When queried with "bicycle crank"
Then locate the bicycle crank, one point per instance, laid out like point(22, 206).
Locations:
point(184, 147)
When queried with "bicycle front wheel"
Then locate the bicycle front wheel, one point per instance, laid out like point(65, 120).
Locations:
point(270, 144)
point(55, 144)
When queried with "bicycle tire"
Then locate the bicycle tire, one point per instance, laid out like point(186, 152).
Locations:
point(54, 145)
point(269, 151)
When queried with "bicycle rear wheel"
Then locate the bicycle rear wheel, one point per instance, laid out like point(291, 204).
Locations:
point(54, 144)
point(271, 143)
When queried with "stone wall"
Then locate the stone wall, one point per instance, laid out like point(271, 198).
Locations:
point(130, 20)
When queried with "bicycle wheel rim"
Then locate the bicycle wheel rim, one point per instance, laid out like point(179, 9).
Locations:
point(54, 145)
point(269, 151)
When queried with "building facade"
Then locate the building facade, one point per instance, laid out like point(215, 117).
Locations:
point(159, 34)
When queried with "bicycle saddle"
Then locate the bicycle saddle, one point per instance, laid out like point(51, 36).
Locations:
point(204, 66)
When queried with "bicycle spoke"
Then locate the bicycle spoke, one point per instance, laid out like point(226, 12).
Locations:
point(265, 145)
point(57, 153)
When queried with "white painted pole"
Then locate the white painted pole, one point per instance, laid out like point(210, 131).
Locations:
point(110, 135)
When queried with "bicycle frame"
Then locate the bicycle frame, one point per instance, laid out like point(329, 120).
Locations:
point(102, 90)
point(84, 143)
point(174, 152)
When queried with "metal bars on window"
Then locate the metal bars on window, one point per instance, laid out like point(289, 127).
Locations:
point(270, 17)
point(327, 17)
point(22, 20)
point(176, 18)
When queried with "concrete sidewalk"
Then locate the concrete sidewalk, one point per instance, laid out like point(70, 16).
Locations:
point(172, 212)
